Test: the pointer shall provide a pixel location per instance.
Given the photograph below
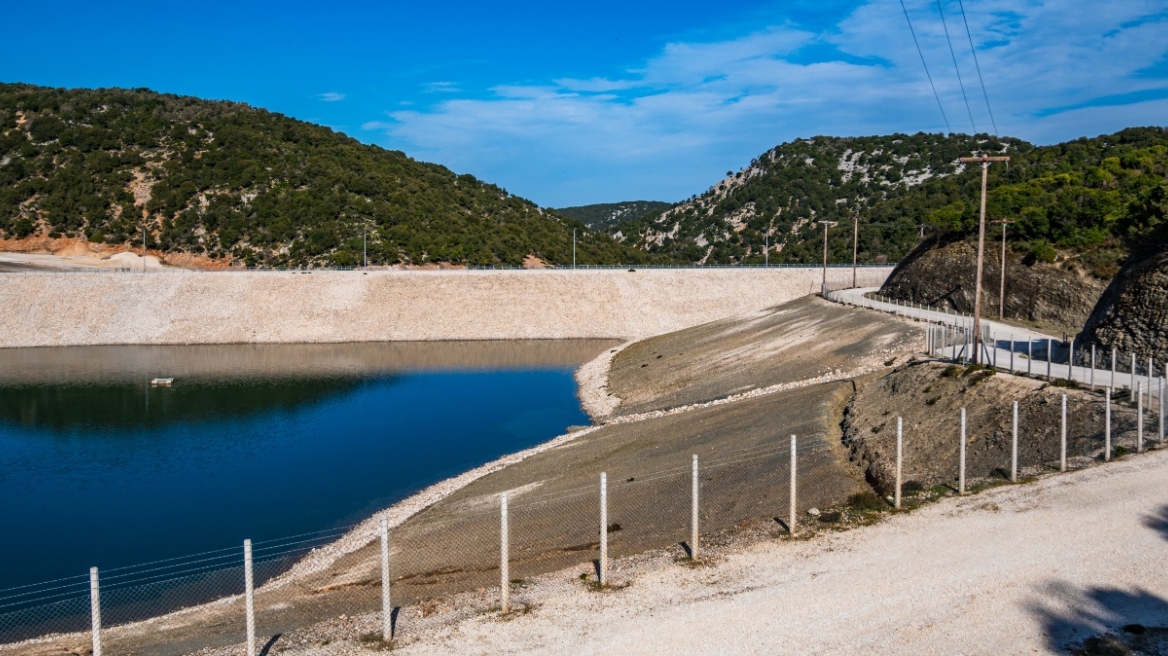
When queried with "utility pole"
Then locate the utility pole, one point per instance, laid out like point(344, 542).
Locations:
point(985, 171)
point(1002, 293)
point(826, 225)
point(855, 245)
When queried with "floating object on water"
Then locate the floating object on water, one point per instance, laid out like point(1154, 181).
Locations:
point(162, 382)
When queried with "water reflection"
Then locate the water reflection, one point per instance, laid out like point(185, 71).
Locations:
point(99, 468)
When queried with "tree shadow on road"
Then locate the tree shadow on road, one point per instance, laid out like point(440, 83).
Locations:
point(1103, 621)
point(1158, 522)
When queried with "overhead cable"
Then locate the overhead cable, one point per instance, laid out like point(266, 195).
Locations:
point(976, 64)
point(955, 67)
point(945, 118)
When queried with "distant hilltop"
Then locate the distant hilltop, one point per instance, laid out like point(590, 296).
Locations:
point(231, 184)
point(215, 184)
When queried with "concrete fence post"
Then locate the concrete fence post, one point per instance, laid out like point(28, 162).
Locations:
point(249, 598)
point(1092, 366)
point(1071, 361)
point(1132, 379)
point(961, 458)
point(1113, 357)
point(602, 571)
point(899, 457)
point(1011, 353)
point(504, 557)
point(1063, 437)
point(1161, 404)
point(1050, 347)
point(1148, 392)
point(386, 602)
point(1139, 418)
point(791, 496)
point(693, 512)
point(1029, 354)
point(1107, 424)
point(1014, 447)
point(95, 610)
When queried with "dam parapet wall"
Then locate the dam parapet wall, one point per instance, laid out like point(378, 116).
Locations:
point(225, 307)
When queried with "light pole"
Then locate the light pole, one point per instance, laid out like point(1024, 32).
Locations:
point(1002, 292)
point(985, 169)
point(826, 225)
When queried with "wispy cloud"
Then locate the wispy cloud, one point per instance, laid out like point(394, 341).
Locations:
point(440, 87)
point(1053, 69)
point(331, 96)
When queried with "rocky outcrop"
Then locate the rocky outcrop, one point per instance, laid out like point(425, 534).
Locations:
point(1132, 314)
point(1054, 296)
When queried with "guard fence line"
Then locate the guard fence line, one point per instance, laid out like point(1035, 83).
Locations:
point(35, 269)
point(244, 599)
point(951, 336)
point(244, 596)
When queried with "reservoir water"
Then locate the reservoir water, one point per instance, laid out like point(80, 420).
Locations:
point(99, 467)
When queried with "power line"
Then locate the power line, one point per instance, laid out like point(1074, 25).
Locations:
point(955, 67)
point(948, 130)
point(976, 64)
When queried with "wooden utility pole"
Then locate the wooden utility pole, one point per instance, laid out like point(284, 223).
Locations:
point(826, 225)
point(855, 245)
point(985, 169)
point(1002, 293)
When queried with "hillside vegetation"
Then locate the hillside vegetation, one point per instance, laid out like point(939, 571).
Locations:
point(605, 215)
point(1089, 199)
point(229, 181)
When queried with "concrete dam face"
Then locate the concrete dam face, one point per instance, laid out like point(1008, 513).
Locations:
point(185, 307)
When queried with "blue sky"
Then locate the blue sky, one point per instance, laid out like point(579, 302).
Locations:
point(606, 101)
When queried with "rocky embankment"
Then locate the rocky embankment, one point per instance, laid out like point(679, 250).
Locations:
point(929, 396)
point(1132, 315)
point(1057, 297)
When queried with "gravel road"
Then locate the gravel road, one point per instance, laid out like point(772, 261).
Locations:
point(1032, 568)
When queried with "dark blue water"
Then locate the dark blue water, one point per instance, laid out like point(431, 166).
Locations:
point(118, 473)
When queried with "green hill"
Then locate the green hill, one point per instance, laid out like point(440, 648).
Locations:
point(223, 179)
point(605, 215)
point(1084, 197)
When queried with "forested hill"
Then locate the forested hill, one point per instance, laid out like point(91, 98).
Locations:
point(605, 215)
point(230, 181)
point(1088, 197)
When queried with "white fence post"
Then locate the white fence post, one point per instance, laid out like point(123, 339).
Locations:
point(1049, 350)
point(1139, 417)
point(1092, 365)
point(249, 598)
point(1161, 433)
point(1071, 361)
point(95, 610)
point(1113, 357)
point(899, 456)
point(1029, 354)
point(504, 557)
point(1063, 437)
point(1014, 447)
point(1107, 421)
point(693, 519)
point(961, 458)
point(791, 509)
point(1011, 353)
point(386, 602)
point(1132, 379)
point(602, 574)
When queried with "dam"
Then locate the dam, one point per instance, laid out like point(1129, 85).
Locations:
point(322, 306)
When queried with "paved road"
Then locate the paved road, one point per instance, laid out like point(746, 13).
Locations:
point(1020, 350)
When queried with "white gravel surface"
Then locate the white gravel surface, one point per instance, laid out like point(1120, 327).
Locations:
point(1014, 570)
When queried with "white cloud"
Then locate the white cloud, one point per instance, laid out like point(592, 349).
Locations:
point(673, 124)
point(331, 96)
